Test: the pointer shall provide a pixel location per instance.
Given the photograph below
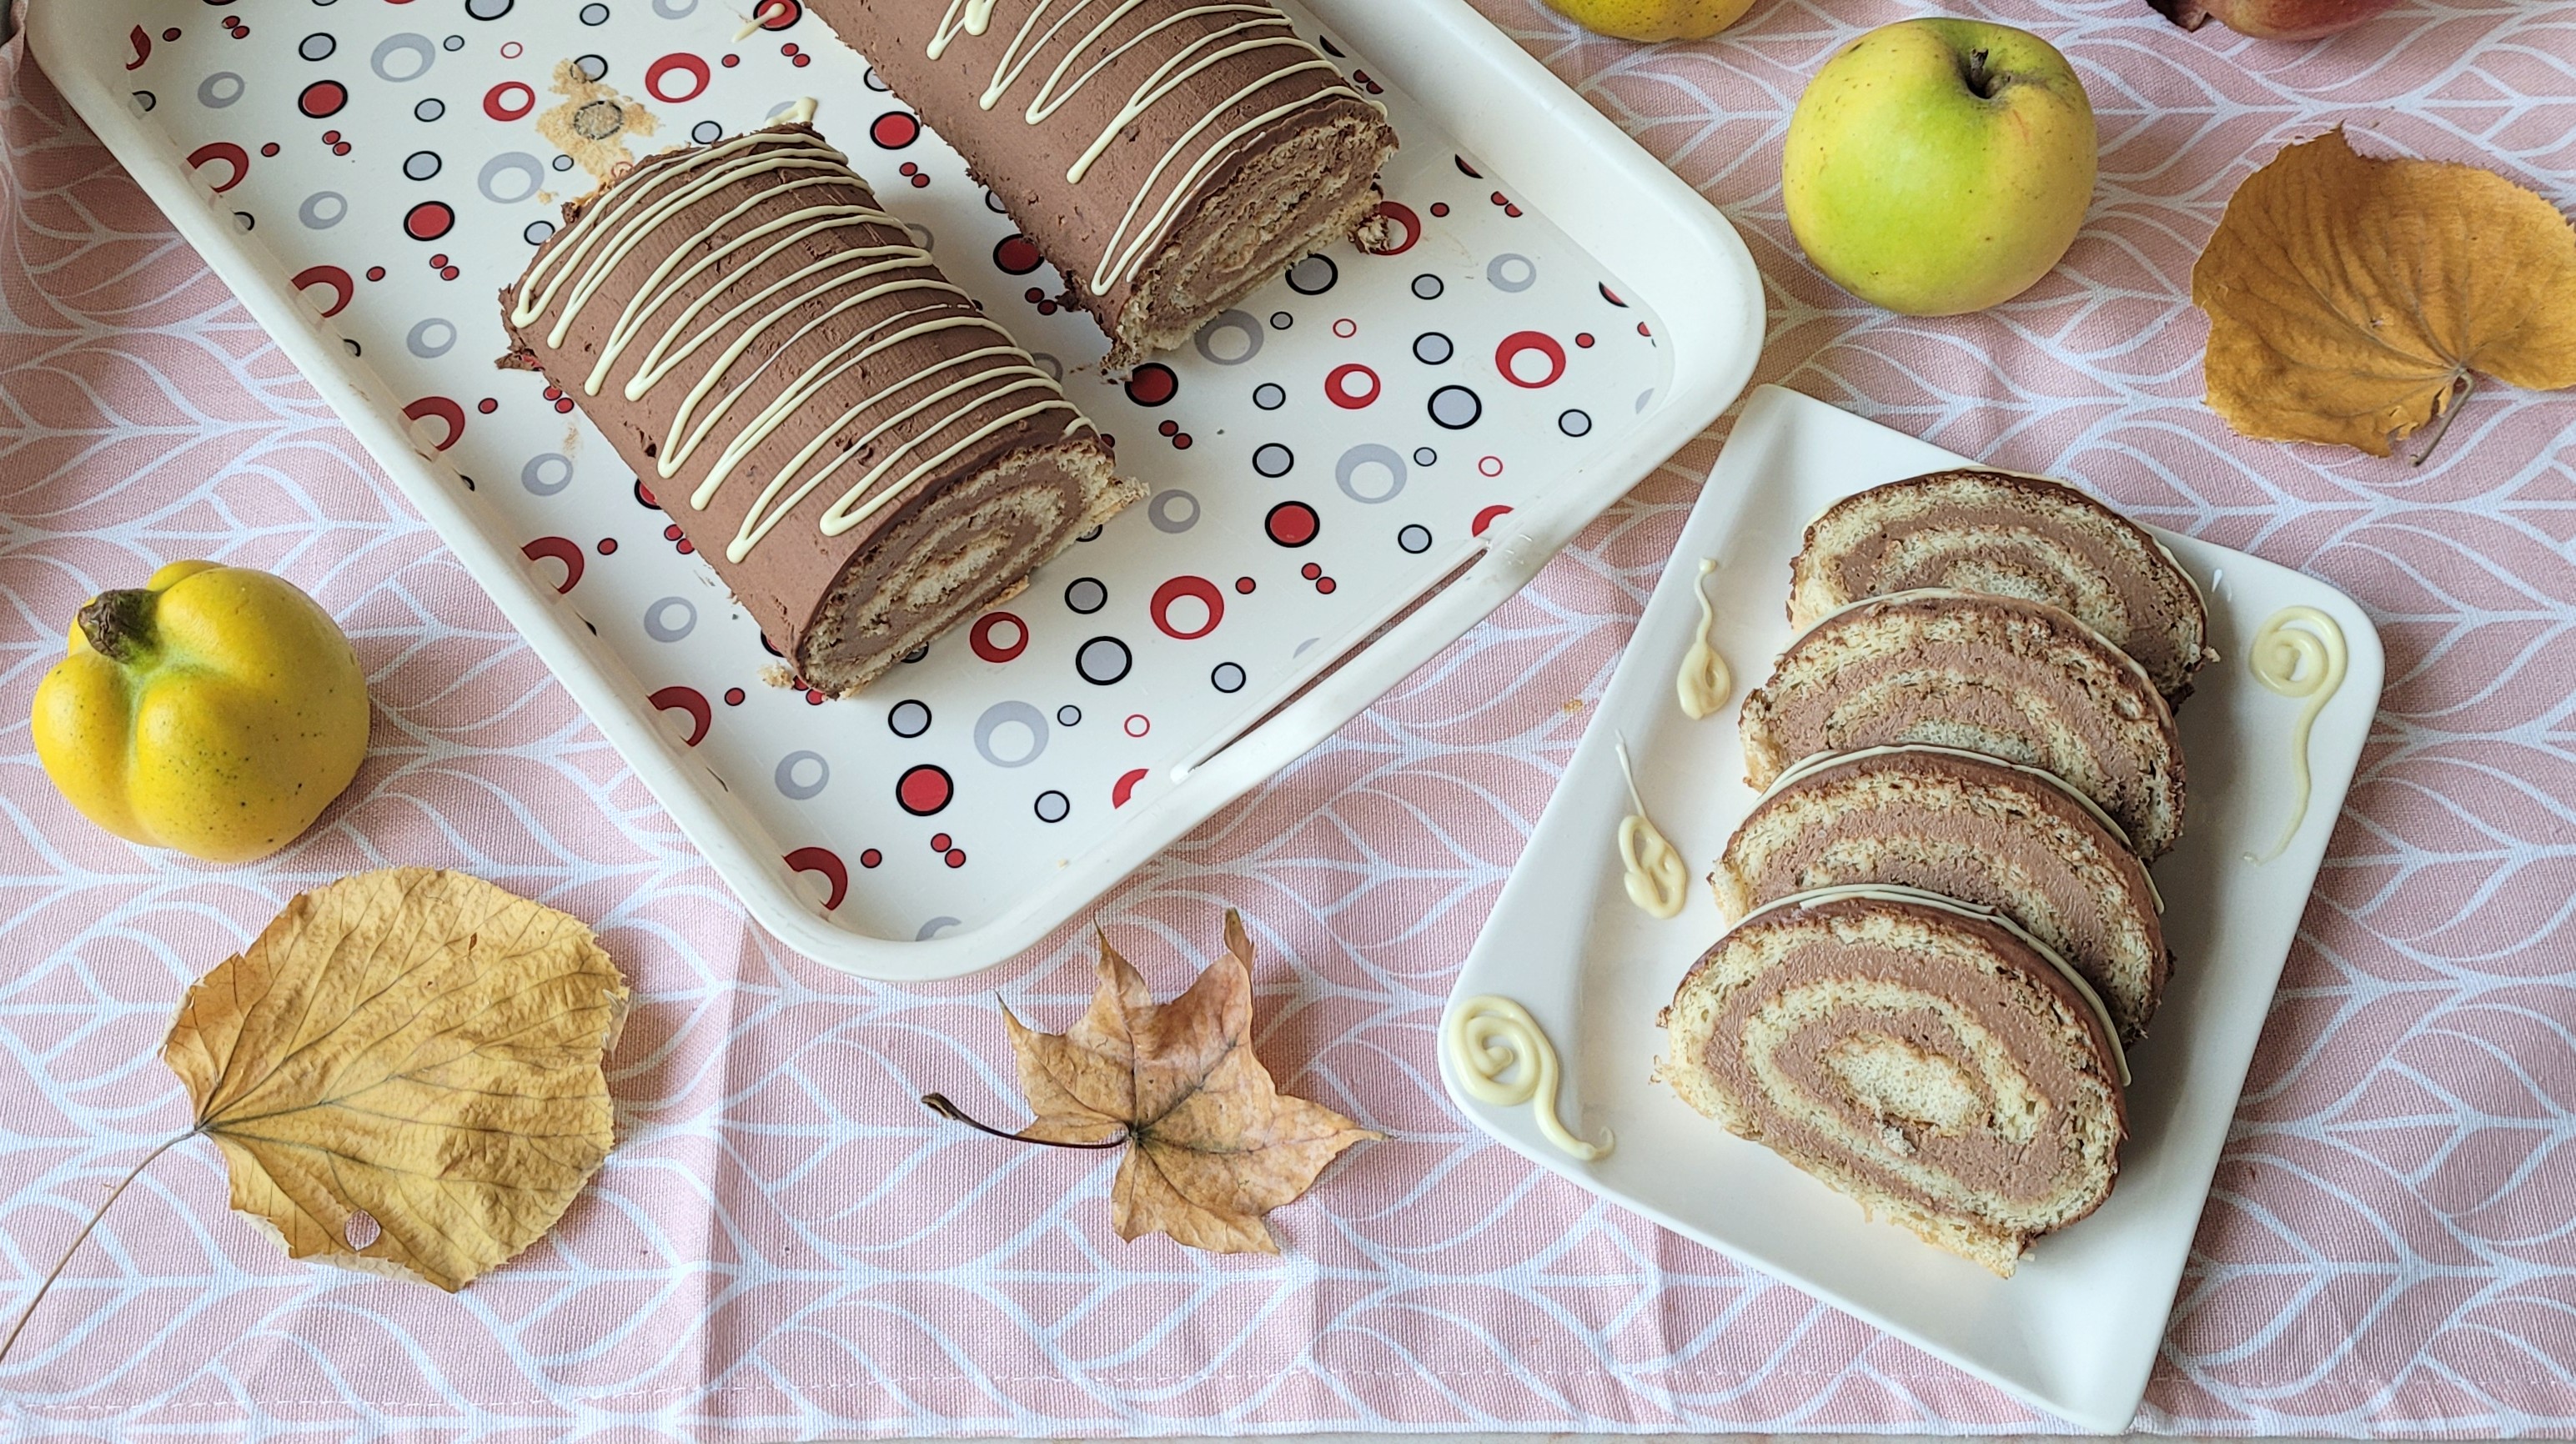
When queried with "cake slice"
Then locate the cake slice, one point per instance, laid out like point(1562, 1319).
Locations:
point(2017, 536)
point(861, 455)
point(1928, 1059)
point(1170, 157)
point(2016, 680)
point(2013, 839)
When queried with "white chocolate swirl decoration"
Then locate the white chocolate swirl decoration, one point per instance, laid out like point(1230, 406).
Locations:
point(2298, 652)
point(1504, 1058)
point(690, 294)
point(1657, 879)
point(1704, 683)
point(1261, 27)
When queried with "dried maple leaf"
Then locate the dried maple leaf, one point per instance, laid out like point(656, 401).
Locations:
point(1213, 1145)
point(2348, 297)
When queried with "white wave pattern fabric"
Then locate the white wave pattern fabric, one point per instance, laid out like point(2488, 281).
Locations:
point(785, 1245)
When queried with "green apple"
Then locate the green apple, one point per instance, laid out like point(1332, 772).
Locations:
point(1938, 166)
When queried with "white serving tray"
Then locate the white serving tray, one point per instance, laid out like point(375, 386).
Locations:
point(405, 137)
point(2075, 1330)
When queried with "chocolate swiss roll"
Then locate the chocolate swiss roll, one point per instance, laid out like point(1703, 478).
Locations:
point(863, 457)
point(1966, 826)
point(1926, 1058)
point(2016, 680)
point(1169, 156)
point(2017, 536)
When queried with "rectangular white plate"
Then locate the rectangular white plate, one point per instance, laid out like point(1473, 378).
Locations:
point(2074, 1331)
point(382, 164)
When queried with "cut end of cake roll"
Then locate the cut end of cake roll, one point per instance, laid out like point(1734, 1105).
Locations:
point(863, 457)
point(1316, 188)
point(1980, 530)
point(962, 551)
point(1930, 1062)
point(2015, 680)
point(2013, 839)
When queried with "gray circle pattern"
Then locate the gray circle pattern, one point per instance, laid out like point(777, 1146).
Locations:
point(1001, 715)
point(1166, 512)
point(221, 89)
point(406, 43)
point(546, 473)
point(511, 163)
point(431, 339)
point(322, 210)
point(794, 789)
point(1511, 272)
point(1239, 323)
point(1345, 472)
point(659, 626)
point(1272, 459)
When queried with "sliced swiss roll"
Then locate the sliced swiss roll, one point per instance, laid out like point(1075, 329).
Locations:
point(2016, 680)
point(861, 455)
point(2017, 536)
point(1169, 156)
point(1929, 1059)
point(2010, 838)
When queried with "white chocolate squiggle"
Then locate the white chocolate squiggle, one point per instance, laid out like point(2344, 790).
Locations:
point(2298, 652)
point(1134, 239)
point(1657, 879)
point(697, 274)
point(1704, 683)
point(1504, 1058)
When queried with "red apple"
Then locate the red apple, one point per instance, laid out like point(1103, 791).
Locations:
point(2272, 19)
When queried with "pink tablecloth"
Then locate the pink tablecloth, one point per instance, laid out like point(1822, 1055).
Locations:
point(785, 1244)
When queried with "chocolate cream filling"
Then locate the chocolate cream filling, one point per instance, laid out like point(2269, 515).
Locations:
point(2010, 1133)
point(2010, 679)
point(2025, 537)
point(1966, 827)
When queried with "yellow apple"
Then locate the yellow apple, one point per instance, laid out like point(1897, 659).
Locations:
point(1938, 166)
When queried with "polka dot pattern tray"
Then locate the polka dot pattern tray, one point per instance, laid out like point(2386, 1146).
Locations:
point(1345, 473)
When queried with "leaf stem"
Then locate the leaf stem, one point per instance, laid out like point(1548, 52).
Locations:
point(83, 1237)
point(938, 1103)
point(2468, 388)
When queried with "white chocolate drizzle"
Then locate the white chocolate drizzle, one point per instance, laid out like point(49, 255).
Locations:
point(1657, 879)
point(698, 272)
point(1137, 234)
point(2298, 652)
point(1897, 892)
point(1504, 1058)
point(1704, 683)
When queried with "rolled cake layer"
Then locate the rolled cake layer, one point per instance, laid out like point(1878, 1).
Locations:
point(2015, 536)
point(863, 457)
point(1169, 156)
point(2021, 681)
point(1929, 1060)
point(2014, 839)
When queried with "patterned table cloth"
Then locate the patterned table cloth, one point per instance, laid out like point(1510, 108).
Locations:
point(785, 1244)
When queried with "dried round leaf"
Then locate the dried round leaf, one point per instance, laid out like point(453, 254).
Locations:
point(2348, 295)
point(421, 1047)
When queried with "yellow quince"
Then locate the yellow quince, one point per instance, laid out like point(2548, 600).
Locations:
point(1653, 19)
point(215, 710)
